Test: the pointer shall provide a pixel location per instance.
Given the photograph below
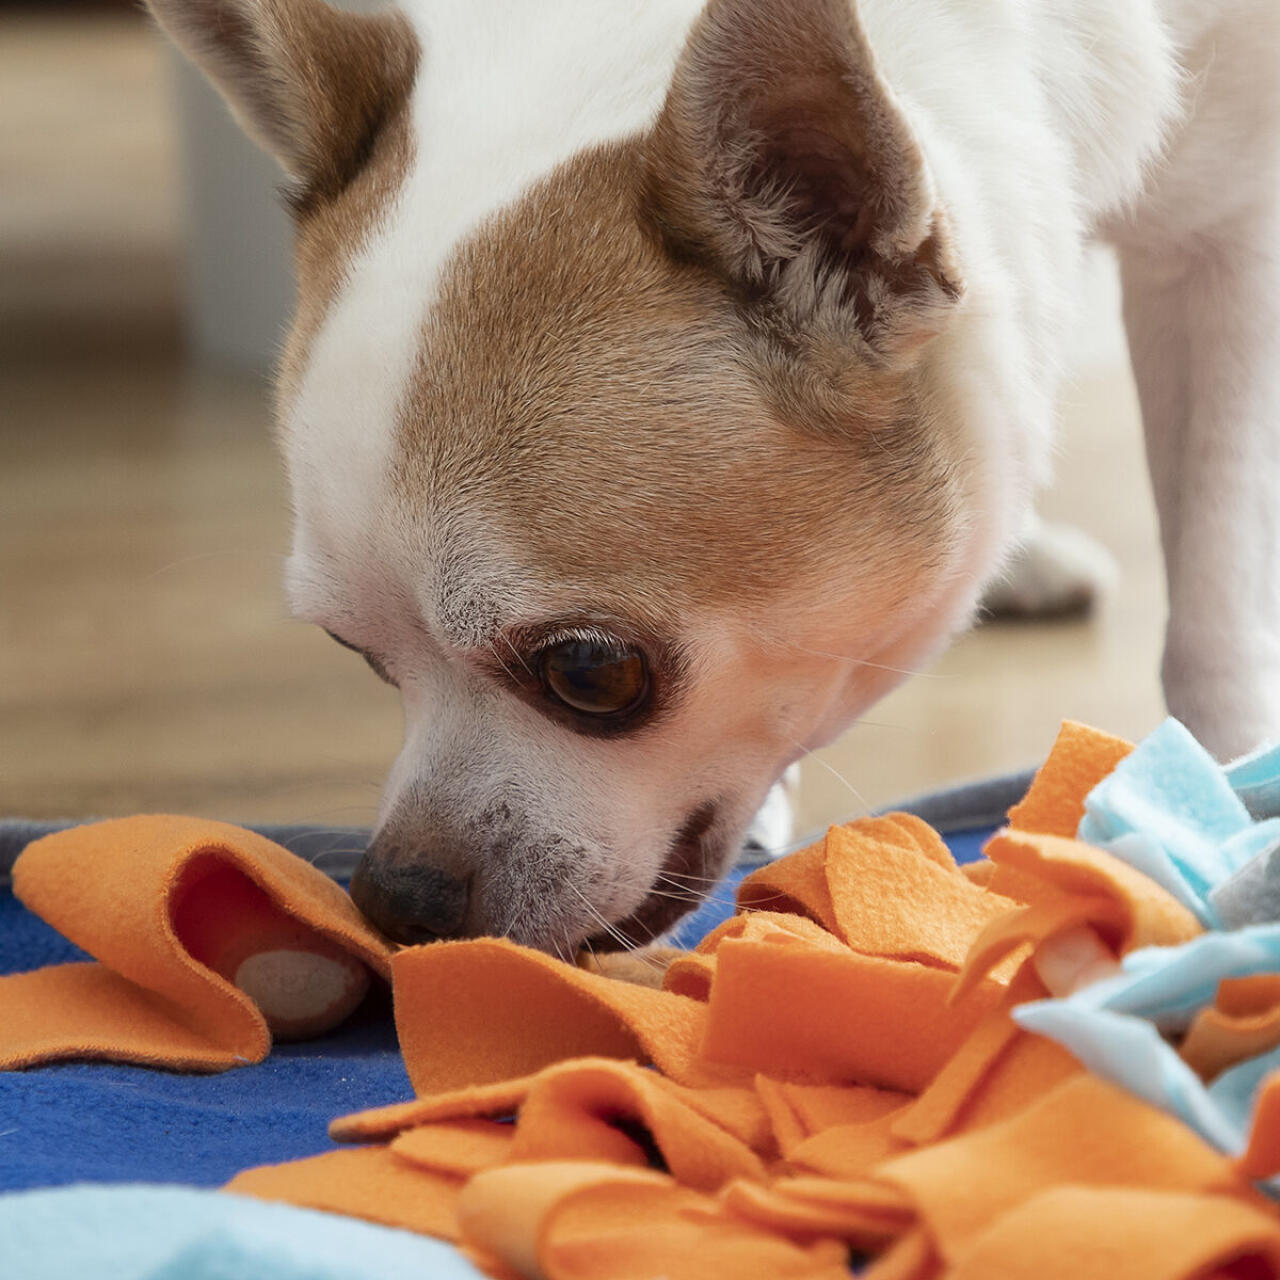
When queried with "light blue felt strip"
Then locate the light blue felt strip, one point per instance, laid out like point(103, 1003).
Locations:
point(1170, 791)
point(134, 1231)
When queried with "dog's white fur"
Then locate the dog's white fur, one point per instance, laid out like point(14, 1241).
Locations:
point(1155, 123)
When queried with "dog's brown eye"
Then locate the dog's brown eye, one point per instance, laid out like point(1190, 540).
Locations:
point(596, 677)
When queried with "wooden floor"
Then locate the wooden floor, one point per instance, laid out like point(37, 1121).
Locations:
point(146, 660)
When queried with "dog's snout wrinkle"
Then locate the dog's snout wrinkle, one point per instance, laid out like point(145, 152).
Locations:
point(411, 902)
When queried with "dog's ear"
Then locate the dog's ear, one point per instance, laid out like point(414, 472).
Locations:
point(782, 162)
point(311, 84)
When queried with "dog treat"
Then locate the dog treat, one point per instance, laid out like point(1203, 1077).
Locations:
point(1074, 959)
point(303, 984)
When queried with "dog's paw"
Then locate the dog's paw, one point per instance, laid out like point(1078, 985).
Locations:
point(1057, 572)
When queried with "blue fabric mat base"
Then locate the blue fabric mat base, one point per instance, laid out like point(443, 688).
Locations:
point(95, 1122)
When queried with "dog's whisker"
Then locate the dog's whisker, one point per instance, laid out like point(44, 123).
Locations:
point(839, 777)
point(610, 930)
point(782, 642)
point(682, 892)
point(673, 876)
point(350, 830)
point(676, 897)
point(224, 553)
point(332, 853)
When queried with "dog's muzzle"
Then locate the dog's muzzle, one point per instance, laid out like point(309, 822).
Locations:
point(410, 903)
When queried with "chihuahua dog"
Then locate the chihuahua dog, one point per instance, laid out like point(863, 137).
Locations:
point(669, 377)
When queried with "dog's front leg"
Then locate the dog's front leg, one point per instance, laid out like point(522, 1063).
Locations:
point(1203, 319)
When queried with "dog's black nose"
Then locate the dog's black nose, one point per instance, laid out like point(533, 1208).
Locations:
point(410, 903)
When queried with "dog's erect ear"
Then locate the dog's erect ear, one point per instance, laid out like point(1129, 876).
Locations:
point(310, 83)
point(782, 162)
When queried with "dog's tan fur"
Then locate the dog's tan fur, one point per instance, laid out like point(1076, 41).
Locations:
point(550, 365)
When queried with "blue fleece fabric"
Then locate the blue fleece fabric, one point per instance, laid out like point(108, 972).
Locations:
point(1169, 810)
point(176, 1233)
point(95, 1122)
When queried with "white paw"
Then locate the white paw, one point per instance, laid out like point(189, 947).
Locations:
point(1057, 572)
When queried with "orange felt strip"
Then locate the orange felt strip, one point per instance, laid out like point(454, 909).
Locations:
point(737, 1110)
point(847, 1150)
point(380, 1123)
point(457, 1147)
point(979, 872)
point(919, 837)
point(573, 1112)
point(820, 1106)
point(825, 1016)
point(770, 926)
point(523, 1010)
point(1243, 1022)
point(1151, 916)
point(910, 1257)
point(1069, 1233)
point(936, 1110)
point(1261, 1158)
point(693, 974)
point(85, 1011)
point(781, 1208)
point(1256, 993)
point(890, 899)
point(690, 975)
point(1029, 1067)
point(1080, 759)
point(996, 1072)
point(798, 1111)
point(879, 1198)
point(1083, 1132)
point(787, 1127)
point(582, 1222)
point(110, 888)
point(364, 1182)
point(502, 1212)
point(795, 885)
point(1216, 1041)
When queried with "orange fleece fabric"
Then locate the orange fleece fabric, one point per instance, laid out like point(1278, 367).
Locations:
point(1243, 1022)
point(113, 888)
point(834, 1070)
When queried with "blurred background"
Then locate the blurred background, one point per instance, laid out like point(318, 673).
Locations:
point(146, 659)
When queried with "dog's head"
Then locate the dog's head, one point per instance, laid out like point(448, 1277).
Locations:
point(625, 417)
